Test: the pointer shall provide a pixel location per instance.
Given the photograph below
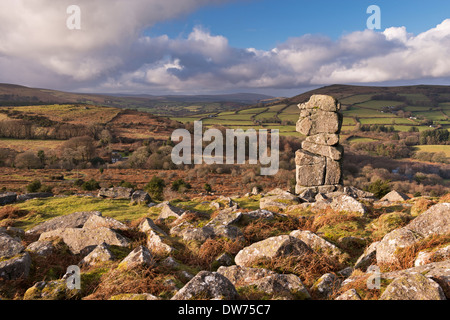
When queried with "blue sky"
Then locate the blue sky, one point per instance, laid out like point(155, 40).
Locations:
point(279, 48)
point(262, 24)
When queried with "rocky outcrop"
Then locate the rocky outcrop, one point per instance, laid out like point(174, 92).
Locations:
point(140, 197)
point(318, 163)
point(36, 195)
point(99, 255)
point(395, 196)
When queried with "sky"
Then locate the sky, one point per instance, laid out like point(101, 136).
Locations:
point(279, 48)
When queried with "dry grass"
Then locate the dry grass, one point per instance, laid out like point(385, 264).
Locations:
point(136, 281)
point(406, 256)
point(309, 267)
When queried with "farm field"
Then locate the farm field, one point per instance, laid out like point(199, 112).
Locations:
point(435, 148)
point(30, 145)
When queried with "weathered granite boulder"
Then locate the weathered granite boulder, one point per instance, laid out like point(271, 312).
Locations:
point(395, 196)
point(349, 295)
point(35, 195)
point(148, 225)
point(368, 258)
point(347, 203)
point(41, 248)
point(74, 220)
point(170, 211)
point(391, 242)
point(140, 197)
point(50, 290)
point(207, 285)
point(244, 276)
point(318, 244)
point(283, 286)
point(156, 244)
point(115, 193)
point(100, 254)
point(7, 198)
point(325, 286)
point(434, 221)
point(139, 257)
point(9, 246)
point(15, 267)
point(95, 222)
point(427, 256)
point(413, 286)
point(275, 247)
point(80, 239)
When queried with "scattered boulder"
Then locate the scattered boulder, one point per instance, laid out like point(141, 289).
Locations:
point(260, 214)
point(223, 260)
point(207, 285)
point(326, 285)
point(275, 247)
point(349, 295)
point(399, 238)
point(170, 211)
point(434, 221)
point(318, 244)
point(9, 246)
point(15, 267)
point(155, 243)
point(50, 290)
point(244, 276)
point(95, 222)
point(225, 218)
point(78, 239)
point(428, 256)
point(275, 201)
point(139, 257)
point(41, 248)
point(99, 255)
point(347, 203)
point(413, 286)
point(115, 193)
point(134, 297)
point(284, 286)
point(368, 258)
point(74, 220)
point(35, 195)
point(148, 225)
point(395, 196)
point(8, 198)
point(140, 197)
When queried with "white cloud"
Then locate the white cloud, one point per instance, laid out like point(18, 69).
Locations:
point(111, 54)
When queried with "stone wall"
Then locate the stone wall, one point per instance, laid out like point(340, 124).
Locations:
point(319, 161)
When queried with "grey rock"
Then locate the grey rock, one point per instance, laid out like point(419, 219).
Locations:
point(81, 239)
point(349, 295)
point(35, 195)
point(74, 220)
point(115, 193)
point(139, 257)
point(207, 285)
point(395, 196)
point(16, 267)
point(9, 246)
point(349, 204)
point(41, 248)
point(326, 285)
point(275, 247)
point(99, 255)
point(140, 197)
point(413, 286)
point(8, 198)
point(284, 286)
point(391, 242)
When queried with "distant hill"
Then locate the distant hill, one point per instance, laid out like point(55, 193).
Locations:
point(16, 95)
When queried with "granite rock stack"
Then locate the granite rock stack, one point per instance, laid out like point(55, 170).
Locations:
point(319, 161)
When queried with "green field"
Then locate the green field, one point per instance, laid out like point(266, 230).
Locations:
point(435, 148)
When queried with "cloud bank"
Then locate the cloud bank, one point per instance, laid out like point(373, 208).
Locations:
point(112, 54)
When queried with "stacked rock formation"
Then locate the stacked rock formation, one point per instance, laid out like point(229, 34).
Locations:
point(319, 162)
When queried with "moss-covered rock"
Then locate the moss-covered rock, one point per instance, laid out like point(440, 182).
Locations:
point(413, 286)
